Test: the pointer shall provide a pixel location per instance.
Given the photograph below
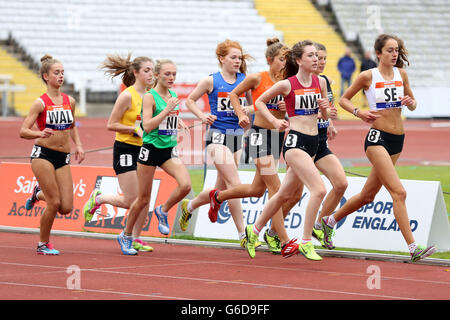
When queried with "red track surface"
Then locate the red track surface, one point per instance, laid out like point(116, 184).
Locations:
point(185, 272)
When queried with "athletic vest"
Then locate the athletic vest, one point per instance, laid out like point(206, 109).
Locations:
point(302, 101)
point(165, 135)
point(220, 104)
point(56, 117)
point(131, 117)
point(321, 123)
point(265, 84)
point(383, 94)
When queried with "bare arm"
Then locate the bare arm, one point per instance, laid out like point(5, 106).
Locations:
point(25, 131)
point(249, 83)
point(408, 96)
point(74, 135)
point(148, 105)
point(282, 87)
point(362, 82)
point(204, 86)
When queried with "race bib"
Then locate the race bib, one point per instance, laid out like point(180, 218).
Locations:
point(58, 118)
point(224, 106)
point(168, 127)
point(388, 94)
point(306, 101)
point(273, 103)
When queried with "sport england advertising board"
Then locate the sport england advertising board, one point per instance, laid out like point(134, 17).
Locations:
point(371, 227)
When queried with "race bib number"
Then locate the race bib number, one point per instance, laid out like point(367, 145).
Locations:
point(35, 152)
point(256, 139)
point(126, 160)
point(291, 140)
point(217, 137)
point(388, 94)
point(168, 127)
point(306, 101)
point(373, 136)
point(143, 154)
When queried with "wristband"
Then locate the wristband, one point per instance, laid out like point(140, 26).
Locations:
point(355, 112)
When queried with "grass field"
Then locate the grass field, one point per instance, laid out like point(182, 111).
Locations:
point(429, 173)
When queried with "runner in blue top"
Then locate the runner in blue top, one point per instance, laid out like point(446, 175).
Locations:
point(224, 139)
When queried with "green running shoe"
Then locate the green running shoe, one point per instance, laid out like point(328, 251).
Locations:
point(422, 252)
point(308, 251)
point(252, 238)
point(328, 233)
point(140, 245)
point(91, 205)
point(319, 235)
point(272, 242)
point(185, 216)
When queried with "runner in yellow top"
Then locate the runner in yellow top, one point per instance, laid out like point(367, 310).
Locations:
point(125, 120)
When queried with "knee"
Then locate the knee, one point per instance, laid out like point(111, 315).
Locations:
point(259, 191)
point(340, 186)
point(399, 195)
point(185, 188)
point(320, 192)
point(367, 198)
point(65, 210)
point(53, 202)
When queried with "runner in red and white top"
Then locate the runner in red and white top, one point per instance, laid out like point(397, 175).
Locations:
point(54, 114)
point(304, 95)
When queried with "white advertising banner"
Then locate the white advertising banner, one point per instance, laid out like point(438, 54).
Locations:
point(371, 227)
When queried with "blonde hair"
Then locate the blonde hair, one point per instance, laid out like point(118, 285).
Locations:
point(158, 65)
point(116, 65)
point(46, 63)
point(223, 49)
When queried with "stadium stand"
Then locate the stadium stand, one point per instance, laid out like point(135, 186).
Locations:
point(81, 33)
point(424, 26)
point(300, 20)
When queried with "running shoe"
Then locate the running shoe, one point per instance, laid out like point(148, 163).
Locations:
point(140, 245)
point(328, 233)
point(185, 215)
point(126, 244)
point(308, 251)
point(243, 243)
point(319, 235)
point(422, 252)
point(33, 199)
point(47, 249)
point(163, 224)
point(214, 205)
point(272, 242)
point(91, 205)
point(289, 249)
point(252, 238)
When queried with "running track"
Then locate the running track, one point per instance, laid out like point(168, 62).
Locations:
point(192, 272)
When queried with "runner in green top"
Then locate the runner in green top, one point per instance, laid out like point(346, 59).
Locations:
point(160, 123)
point(165, 134)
